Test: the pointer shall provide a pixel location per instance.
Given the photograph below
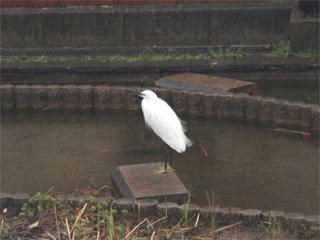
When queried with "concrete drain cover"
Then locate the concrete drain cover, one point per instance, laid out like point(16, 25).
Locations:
point(140, 181)
point(206, 84)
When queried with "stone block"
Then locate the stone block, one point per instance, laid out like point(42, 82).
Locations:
point(146, 207)
point(195, 82)
point(224, 105)
point(264, 109)
point(193, 102)
point(292, 109)
point(294, 220)
point(207, 103)
point(117, 97)
point(251, 216)
point(132, 101)
point(164, 94)
point(22, 97)
point(170, 209)
point(140, 182)
point(85, 97)
point(270, 214)
point(189, 210)
point(239, 105)
point(179, 101)
point(304, 118)
point(252, 107)
point(39, 97)
point(102, 98)
point(54, 101)
point(7, 97)
point(125, 203)
point(312, 219)
point(228, 215)
point(315, 116)
point(69, 98)
point(279, 113)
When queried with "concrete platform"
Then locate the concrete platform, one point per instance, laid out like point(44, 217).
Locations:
point(206, 84)
point(140, 182)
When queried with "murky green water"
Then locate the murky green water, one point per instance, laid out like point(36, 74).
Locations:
point(248, 166)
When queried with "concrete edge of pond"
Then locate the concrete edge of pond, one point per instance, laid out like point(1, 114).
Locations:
point(257, 62)
point(150, 207)
point(86, 98)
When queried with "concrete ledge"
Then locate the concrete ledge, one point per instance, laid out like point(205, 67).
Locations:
point(21, 73)
point(103, 98)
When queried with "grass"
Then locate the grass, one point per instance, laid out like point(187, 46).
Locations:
point(284, 50)
point(45, 217)
point(273, 228)
point(143, 57)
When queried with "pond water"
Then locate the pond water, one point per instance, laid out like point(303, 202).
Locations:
point(248, 165)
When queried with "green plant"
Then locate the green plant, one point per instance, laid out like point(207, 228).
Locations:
point(212, 210)
point(124, 212)
point(227, 53)
point(186, 210)
point(282, 51)
point(274, 227)
point(111, 231)
point(120, 229)
point(42, 59)
point(308, 53)
point(40, 202)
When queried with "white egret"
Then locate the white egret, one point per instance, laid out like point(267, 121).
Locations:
point(164, 122)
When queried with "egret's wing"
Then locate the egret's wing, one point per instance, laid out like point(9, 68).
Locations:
point(165, 123)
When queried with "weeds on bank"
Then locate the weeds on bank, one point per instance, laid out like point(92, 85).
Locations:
point(284, 50)
point(45, 217)
point(273, 228)
point(143, 57)
point(26, 59)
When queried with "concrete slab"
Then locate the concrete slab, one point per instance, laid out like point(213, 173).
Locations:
point(140, 182)
point(207, 84)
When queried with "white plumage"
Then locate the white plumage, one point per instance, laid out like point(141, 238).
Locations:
point(160, 117)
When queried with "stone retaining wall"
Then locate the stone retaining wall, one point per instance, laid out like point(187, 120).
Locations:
point(66, 3)
point(145, 26)
point(151, 207)
point(103, 98)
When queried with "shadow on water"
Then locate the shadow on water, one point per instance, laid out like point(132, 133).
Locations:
point(248, 165)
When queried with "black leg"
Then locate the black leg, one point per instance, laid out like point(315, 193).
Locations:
point(170, 158)
point(166, 162)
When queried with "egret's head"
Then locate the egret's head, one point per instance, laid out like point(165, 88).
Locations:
point(148, 94)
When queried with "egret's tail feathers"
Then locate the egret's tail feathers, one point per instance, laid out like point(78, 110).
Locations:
point(184, 125)
point(189, 143)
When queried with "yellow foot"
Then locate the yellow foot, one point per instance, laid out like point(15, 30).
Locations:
point(161, 170)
